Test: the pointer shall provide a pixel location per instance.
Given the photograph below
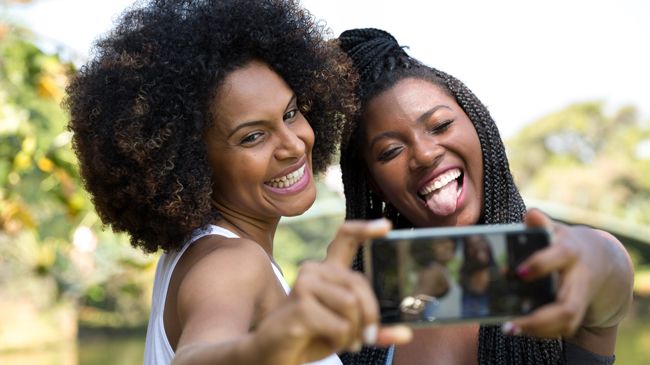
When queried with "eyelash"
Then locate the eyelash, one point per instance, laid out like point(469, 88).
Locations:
point(441, 127)
point(389, 154)
point(253, 137)
point(293, 112)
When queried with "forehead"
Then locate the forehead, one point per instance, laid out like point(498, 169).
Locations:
point(407, 99)
point(252, 92)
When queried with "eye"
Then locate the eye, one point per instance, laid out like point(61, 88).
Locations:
point(389, 153)
point(441, 127)
point(251, 138)
point(290, 114)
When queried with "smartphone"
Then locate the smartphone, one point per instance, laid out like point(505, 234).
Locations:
point(432, 276)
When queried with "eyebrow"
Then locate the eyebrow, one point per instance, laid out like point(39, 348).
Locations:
point(419, 120)
point(258, 122)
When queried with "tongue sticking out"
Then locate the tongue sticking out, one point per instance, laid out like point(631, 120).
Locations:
point(443, 201)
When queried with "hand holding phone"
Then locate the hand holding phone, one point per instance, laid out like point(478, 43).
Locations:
point(448, 275)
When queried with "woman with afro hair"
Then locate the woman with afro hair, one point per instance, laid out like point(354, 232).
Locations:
point(423, 151)
point(195, 123)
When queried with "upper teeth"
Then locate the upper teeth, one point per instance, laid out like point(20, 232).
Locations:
point(441, 181)
point(287, 180)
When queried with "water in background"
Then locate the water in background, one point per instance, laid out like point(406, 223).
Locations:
point(633, 348)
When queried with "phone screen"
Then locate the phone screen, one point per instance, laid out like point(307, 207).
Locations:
point(452, 278)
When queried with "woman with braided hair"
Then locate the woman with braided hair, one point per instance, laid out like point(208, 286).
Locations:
point(195, 126)
point(423, 151)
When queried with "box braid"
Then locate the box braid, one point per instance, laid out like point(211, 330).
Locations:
point(380, 63)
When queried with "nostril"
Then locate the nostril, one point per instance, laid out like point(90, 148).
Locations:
point(426, 159)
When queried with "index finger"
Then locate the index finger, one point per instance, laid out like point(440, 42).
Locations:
point(536, 218)
point(351, 234)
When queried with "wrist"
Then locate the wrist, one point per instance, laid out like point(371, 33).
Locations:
point(253, 349)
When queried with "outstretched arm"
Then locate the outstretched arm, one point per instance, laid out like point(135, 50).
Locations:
point(330, 308)
point(595, 286)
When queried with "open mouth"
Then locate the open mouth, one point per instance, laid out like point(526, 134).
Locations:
point(441, 194)
point(287, 180)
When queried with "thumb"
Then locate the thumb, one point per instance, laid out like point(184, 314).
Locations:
point(349, 237)
point(394, 335)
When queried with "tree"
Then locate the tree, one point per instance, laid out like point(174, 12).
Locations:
point(582, 157)
point(54, 256)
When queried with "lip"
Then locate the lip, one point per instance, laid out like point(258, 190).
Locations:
point(426, 180)
point(290, 169)
point(299, 185)
point(460, 200)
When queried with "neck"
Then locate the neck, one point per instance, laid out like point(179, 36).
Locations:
point(255, 229)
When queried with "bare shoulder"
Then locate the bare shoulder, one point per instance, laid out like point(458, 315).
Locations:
point(220, 262)
point(221, 282)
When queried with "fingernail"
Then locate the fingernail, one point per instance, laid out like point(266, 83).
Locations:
point(506, 328)
point(510, 329)
point(379, 223)
point(370, 334)
point(403, 334)
point(356, 346)
point(523, 271)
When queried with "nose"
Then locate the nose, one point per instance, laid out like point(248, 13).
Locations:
point(290, 144)
point(425, 153)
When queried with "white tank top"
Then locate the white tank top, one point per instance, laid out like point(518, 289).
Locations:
point(157, 350)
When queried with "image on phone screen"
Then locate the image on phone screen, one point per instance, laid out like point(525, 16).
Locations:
point(451, 279)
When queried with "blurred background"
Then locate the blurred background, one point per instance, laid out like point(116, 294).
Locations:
point(567, 83)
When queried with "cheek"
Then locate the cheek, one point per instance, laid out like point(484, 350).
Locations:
point(389, 181)
point(222, 177)
point(227, 167)
point(309, 138)
point(474, 159)
point(478, 168)
point(306, 134)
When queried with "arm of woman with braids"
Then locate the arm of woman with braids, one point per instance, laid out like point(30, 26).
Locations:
point(433, 157)
point(595, 286)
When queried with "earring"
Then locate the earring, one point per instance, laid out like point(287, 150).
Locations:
point(375, 204)
point(392, 214)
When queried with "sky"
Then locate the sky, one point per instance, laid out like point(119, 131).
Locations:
point(523, 59)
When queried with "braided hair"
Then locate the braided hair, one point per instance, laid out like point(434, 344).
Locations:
point(380, 63)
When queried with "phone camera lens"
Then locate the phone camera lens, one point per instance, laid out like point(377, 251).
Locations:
point(522, 239)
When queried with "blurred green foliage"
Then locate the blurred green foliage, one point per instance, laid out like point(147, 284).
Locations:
point(306, 237)
point(52, 246)
point(582, 157)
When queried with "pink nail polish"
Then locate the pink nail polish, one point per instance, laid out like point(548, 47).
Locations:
point(506, 328)
point(511, 329)
point(523, 271)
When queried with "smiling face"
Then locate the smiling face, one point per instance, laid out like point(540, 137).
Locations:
point(477, 250)
point(444, 250)
point(423, 154)
point(259, 147)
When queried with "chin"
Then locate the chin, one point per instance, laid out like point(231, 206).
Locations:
point(301, 205)
point(452, 220)
point(294, 212)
